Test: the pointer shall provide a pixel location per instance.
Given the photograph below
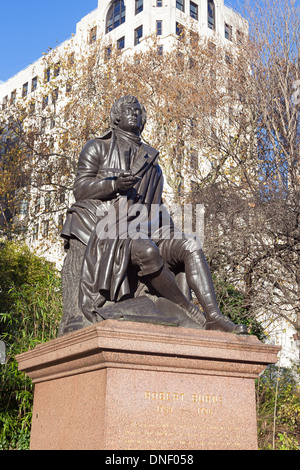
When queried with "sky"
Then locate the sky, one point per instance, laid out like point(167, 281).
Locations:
point(29, 28)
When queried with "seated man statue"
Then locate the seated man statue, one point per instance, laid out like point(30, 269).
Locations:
point(103, 273)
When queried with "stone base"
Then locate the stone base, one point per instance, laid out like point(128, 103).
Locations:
point(123, 385)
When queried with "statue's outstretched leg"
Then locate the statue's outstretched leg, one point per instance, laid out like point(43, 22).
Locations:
point(200, 281)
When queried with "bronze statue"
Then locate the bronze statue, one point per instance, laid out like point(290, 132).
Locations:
point(146, 276)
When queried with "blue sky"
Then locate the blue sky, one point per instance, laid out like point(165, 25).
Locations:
point(29, 28)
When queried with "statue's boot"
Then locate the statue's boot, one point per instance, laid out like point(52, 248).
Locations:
point(200, 281)
point(165, 284)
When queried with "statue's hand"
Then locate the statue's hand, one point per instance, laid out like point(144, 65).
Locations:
point(125, 181)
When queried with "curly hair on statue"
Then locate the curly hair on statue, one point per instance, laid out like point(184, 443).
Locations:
point(116, 110)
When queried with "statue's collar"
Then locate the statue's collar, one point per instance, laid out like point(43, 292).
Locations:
point(128, 136)
point(114, 133)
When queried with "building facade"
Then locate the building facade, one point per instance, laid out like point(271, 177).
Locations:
point(127, 24)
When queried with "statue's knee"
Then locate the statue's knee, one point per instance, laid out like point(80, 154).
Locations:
point(145, 254)
point(144, 250)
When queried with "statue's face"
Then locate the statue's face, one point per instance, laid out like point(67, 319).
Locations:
point(131, 118)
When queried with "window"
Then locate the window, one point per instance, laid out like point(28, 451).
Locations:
point(107, 52)
point(138, 34)
point(54, 95)
point(179, 29)
point(121, 43)
point(56, 69)
point(45, 101)
point(47, 202)
point(34, 84)
point(35, 233)
point(47, 75)
point(115, 15)
point(93, 35)
point(23, 208)
point(138, 6)
point(228, 32)
point(211, 14)
point(180, 5)
point(194, 10)
point(160, 50)
point(13, 96)
point(158, 27)
point(159, 3)
point(25, 90)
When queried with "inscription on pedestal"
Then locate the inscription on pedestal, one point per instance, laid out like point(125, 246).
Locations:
point(189, 419)
point(193, 438)
point(170, 399)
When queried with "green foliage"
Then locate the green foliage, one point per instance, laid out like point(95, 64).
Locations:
point(232, 304)
point(277, 389)
point(278, 408)
point(30, 309)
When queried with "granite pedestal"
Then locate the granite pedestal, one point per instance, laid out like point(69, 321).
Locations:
point(123, 385)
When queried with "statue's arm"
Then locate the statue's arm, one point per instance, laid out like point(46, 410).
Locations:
point(87, 184)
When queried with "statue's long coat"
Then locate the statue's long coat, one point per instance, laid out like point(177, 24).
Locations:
point(105, 265)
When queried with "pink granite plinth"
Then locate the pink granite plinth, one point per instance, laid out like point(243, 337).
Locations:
point(122, 385)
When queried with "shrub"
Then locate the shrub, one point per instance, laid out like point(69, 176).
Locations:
point(278, 408)
point(30, 309)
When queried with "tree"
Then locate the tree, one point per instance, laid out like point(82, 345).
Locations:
point(278, 406)
point(30, 310)
point(252, 203)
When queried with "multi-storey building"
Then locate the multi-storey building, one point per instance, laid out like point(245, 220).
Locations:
point(125, 24)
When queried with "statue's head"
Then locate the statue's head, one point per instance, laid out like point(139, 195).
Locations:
point(128, 114)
